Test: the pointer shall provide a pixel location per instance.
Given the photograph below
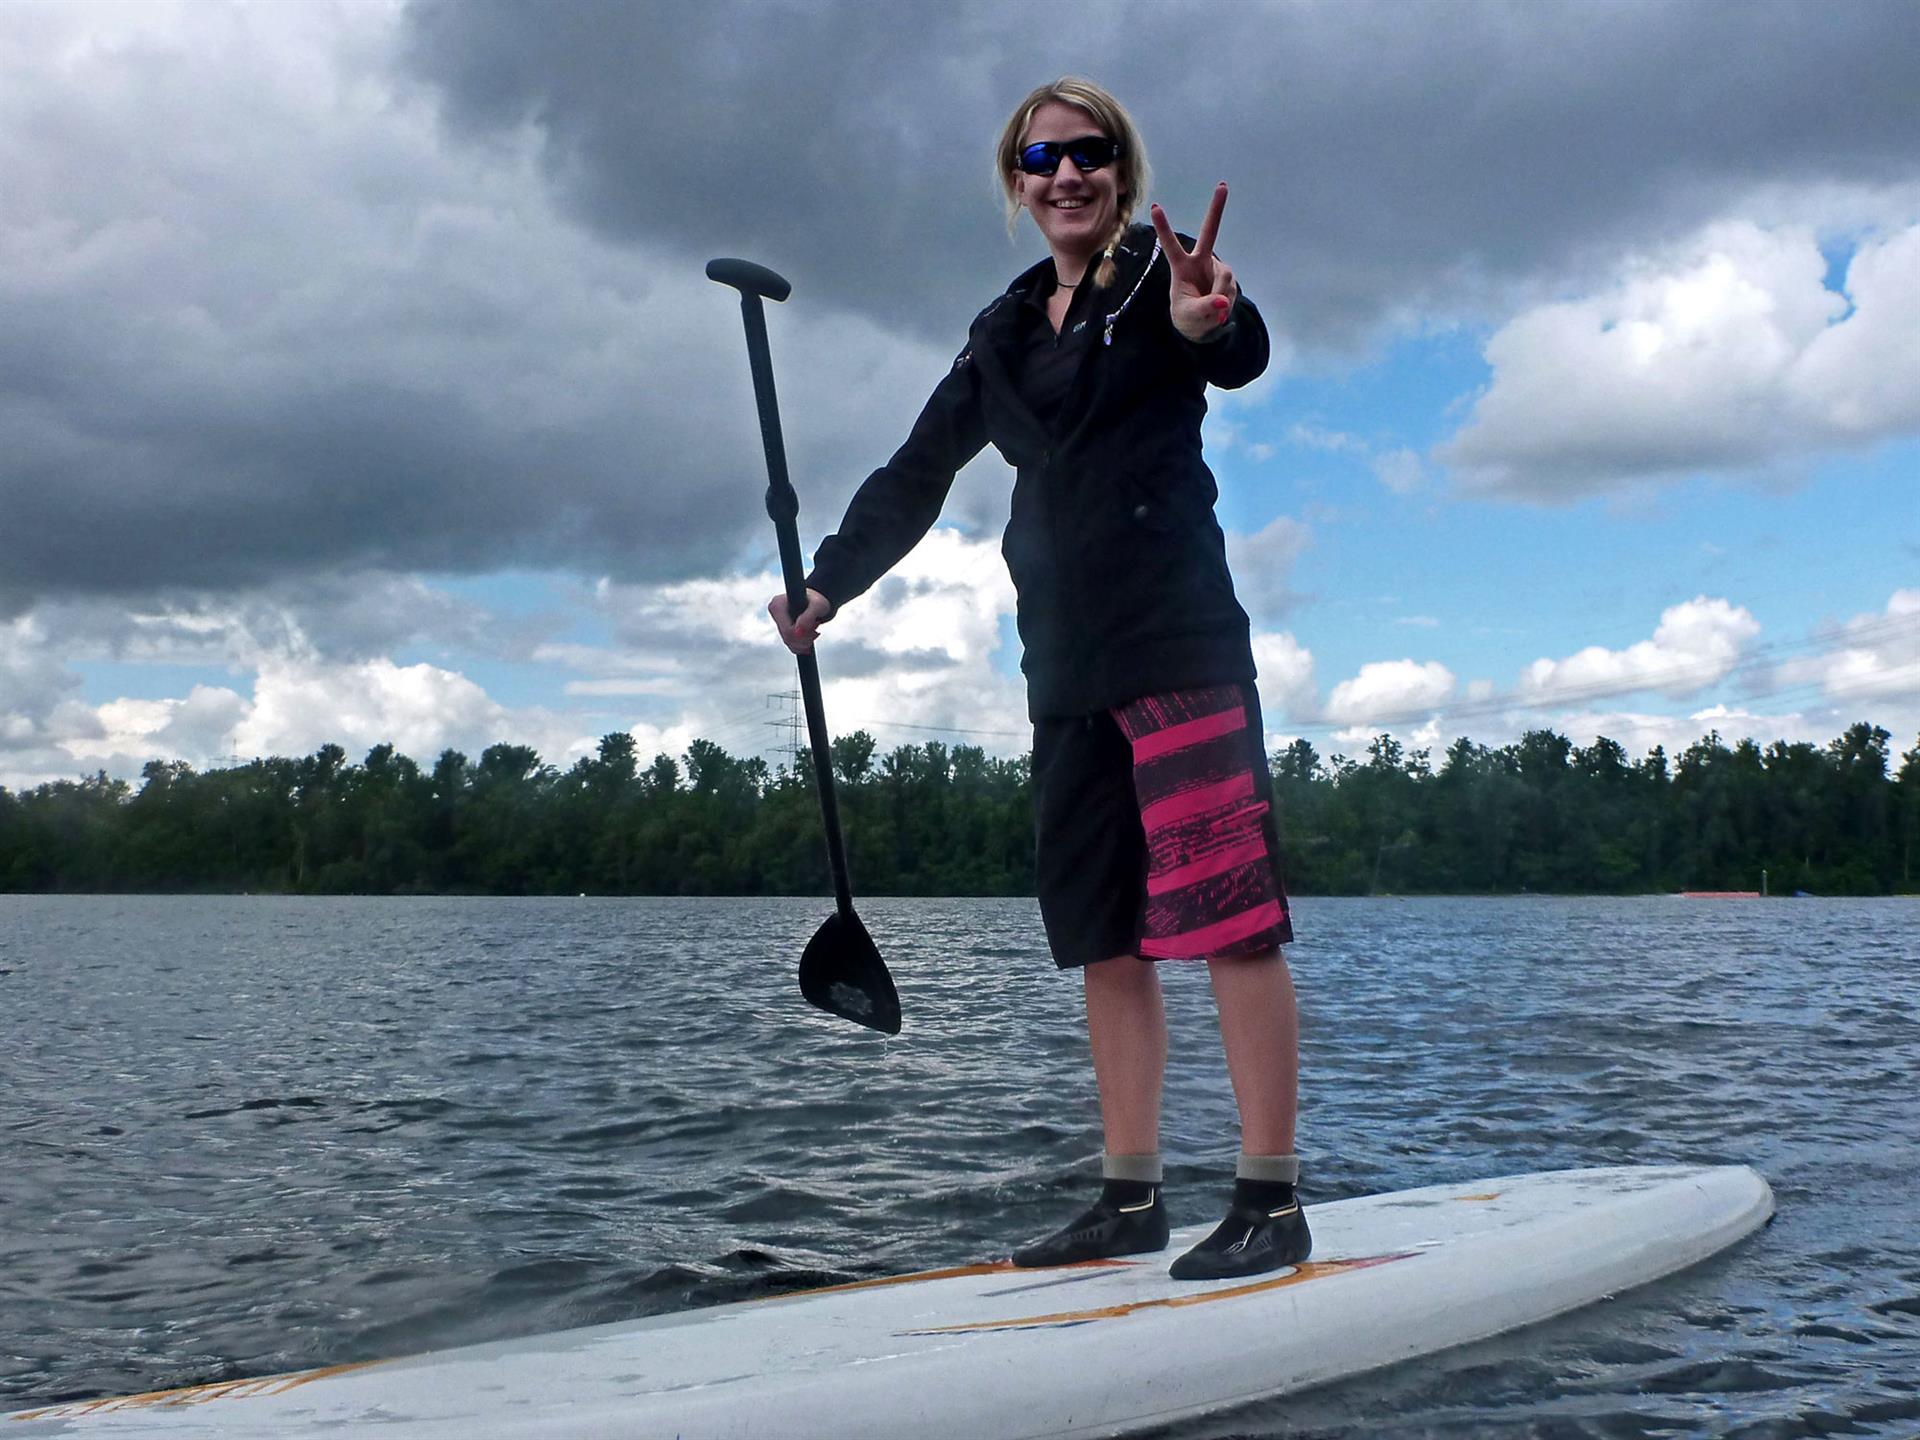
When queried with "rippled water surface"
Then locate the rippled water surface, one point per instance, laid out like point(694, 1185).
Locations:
point(243, 1135)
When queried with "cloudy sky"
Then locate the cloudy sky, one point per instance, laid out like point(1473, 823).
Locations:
point(359, 381)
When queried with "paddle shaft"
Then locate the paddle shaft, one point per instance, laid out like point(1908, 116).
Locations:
point(783, 505)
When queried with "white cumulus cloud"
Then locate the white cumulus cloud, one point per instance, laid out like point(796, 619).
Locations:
point(1696, 644)
point(421, 709)
point(195, 727)
point(918, 657)
point(298, 703)
point(1262, 565)
point(1871, 656)
point(1386, 690)
point(1728, 354)
point(1287, 687)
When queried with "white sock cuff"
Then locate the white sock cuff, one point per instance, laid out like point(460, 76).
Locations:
point(1141, 1169)
point(1272, 1169)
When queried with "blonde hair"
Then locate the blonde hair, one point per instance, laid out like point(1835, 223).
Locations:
point(1111, 117)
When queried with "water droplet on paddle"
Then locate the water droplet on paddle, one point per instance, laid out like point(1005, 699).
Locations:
point(850, 1000)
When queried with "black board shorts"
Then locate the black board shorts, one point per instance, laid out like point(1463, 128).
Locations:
point(1155, 832)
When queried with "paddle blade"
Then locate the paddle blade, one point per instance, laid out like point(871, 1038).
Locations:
point(841, 971)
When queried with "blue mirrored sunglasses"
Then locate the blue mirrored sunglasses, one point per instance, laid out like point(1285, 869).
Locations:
point(1089, 152)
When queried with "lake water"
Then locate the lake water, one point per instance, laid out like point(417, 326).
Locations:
point(243, 1135)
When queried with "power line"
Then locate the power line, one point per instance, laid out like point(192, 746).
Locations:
point(1826, 642)
point(1693, 673)
point(937, 729)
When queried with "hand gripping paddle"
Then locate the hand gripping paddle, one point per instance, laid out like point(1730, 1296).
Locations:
point(840, 971)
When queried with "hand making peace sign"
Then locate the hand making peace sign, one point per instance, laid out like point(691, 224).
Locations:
point(1203, 291)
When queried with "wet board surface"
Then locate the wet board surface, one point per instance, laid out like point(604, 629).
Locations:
point(987, 1352)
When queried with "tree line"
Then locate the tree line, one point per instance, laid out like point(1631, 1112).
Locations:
point(1541, 814)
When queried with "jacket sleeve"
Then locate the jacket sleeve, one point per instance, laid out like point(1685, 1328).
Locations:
point(898, 503)
point(1238, 355)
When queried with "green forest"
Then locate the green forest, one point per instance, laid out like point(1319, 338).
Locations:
point(1541, 814)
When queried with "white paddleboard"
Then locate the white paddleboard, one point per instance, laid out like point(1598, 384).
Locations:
point(987, 1352)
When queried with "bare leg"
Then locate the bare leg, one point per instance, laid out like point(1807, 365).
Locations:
point(1260, 1026)
point(1127, 1023)
point(1265, 1227)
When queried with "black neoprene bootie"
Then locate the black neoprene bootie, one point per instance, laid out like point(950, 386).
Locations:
point(1265, 1229)
point(1129, 1218)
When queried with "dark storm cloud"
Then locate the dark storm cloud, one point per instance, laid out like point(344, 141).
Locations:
point(351, 479)
point(260, 320)
point(265, 314)
point(1388, 157)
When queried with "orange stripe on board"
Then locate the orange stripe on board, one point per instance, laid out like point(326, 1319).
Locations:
point(957, 1272)
point(1312, 1270)
point(192, 1394)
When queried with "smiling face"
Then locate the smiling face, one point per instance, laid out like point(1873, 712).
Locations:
point(1075, 210)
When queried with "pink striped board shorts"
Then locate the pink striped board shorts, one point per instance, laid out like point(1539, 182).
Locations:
point(1156, 830)
point(1212, 885)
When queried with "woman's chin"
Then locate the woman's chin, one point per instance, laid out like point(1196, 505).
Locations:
point(1076, 230)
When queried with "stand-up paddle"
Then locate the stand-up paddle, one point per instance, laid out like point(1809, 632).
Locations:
point(840, 971)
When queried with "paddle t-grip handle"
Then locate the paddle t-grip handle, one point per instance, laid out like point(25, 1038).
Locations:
point(749, 278)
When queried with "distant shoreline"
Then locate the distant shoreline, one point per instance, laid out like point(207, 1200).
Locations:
point(1539, 816)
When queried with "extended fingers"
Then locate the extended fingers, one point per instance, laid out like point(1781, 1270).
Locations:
point(1210, 227)
point(1169, 241)
point(1185, 268)
point(1196, 267)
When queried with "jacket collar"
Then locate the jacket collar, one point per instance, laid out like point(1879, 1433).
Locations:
point(1135, 252)
point(1133, 256)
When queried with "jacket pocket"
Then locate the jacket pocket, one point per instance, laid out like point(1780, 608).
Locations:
point(1144, 511)
point(1165, 544)
point(1150, 503)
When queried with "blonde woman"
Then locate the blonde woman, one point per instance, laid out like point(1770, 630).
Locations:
point(1155, 835)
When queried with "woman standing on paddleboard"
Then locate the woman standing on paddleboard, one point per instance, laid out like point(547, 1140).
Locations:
point(1154, 812)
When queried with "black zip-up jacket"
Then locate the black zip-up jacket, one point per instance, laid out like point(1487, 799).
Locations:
point(1117, 560)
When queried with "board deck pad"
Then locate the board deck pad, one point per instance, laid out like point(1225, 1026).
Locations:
point(990, 1352)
